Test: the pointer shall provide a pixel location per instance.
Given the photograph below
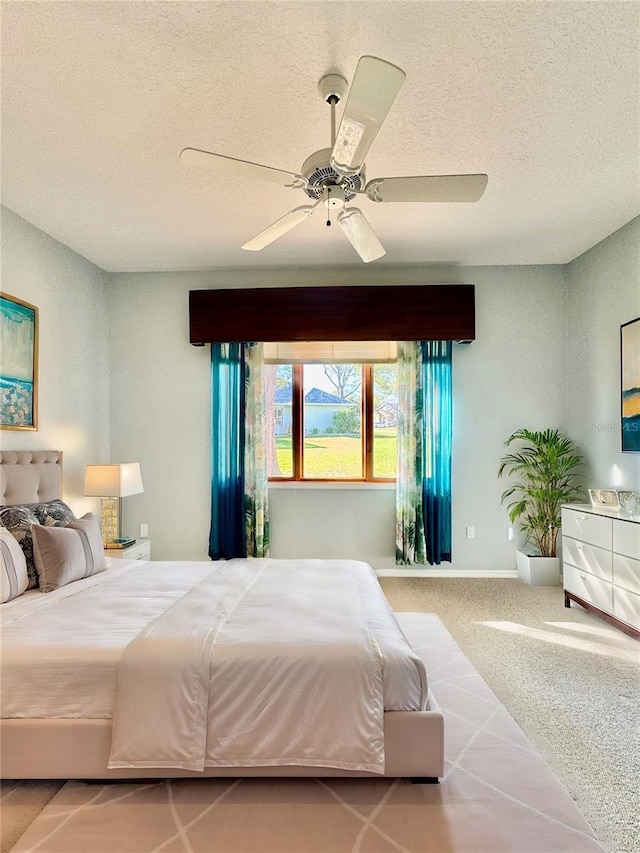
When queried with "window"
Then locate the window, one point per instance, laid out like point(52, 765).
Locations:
point(332, 421)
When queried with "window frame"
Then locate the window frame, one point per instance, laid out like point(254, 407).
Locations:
point(297, 432)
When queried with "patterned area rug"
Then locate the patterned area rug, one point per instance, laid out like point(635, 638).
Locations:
point(497, 794)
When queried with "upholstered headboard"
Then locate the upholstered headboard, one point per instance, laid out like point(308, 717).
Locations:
point(30, 476)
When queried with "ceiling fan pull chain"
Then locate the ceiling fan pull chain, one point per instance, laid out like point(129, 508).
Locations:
point(328, 199)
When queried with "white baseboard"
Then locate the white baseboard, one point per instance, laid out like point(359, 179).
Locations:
point(403, 572)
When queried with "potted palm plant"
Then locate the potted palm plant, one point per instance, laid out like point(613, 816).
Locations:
point(545, 467)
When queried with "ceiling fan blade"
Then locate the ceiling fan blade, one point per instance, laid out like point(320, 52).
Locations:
point(373, 91)
point(243, 168)
point(360, 234)
point(447, 188)
point(277, 229)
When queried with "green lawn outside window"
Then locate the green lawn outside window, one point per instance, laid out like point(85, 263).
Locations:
point(338, 457)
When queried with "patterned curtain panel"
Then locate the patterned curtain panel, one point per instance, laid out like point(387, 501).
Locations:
point(423, 489)
point(227, 536)
point(256, 502)
point(410, 538)
point(437, 439)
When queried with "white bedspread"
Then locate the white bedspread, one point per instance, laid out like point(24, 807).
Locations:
point(61, 651)
point(249, 675)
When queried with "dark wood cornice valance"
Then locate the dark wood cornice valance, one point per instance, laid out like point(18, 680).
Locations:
point(356, 313)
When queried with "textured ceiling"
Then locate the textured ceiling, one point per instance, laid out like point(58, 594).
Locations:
point(98, 99)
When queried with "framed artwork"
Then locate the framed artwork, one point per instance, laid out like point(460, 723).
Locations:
point(18, 364)
point(630, 382)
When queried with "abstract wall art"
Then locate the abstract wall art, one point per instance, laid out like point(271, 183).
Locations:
point(18, 364)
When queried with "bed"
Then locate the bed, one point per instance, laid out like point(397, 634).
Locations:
point(267, 668)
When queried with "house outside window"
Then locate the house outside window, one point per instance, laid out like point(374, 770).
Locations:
point(335, 422)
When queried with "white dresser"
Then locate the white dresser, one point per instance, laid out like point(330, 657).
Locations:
point(601, 563)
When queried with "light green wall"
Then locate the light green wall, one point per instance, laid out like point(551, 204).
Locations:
point(511, 376)
point(603, 292)
point(70, 294)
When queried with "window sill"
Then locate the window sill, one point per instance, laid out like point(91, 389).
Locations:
point(332, 484)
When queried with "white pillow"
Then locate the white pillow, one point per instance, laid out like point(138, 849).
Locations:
point(13, 567)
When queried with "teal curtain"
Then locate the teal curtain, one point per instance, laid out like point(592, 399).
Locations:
point(437, 427)
point(256, 483)
point(423, 491)
point(227, 535)
point(239, 484)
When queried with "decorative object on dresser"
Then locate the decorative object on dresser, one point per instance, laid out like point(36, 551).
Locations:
point(606, 498)
point(112, 483)
point(546, 469)
point(601, 563)
point(630, 385)
point(629, 502)
point(19, 371)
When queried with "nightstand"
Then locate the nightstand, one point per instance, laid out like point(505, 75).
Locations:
point(140, 550)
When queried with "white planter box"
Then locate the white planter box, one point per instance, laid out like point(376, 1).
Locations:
point(538, 571)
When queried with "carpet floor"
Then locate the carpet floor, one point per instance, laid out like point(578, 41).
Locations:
point(497, 794)
point(571, 681)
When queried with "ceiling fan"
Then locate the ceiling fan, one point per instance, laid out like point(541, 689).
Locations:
point(336, 175)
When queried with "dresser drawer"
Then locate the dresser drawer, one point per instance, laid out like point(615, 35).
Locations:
point(626, 538)
point(587, 586)
point(594, 529)
point(587, 557)
point(626, 607)
point(626, 573)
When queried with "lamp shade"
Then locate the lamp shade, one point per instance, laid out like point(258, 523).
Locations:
point(113, 481)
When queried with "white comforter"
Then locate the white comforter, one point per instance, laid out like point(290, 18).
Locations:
point(61, 652)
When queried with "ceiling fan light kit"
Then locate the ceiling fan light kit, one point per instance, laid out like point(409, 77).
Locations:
point(334, 198)
point(334, 176)
point(360, 234)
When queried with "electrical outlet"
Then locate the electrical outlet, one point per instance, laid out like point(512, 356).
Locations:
point(144, 530)
point(471, 533)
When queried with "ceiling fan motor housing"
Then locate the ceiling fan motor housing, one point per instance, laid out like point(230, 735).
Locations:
point(319, 173)
point(332, 86)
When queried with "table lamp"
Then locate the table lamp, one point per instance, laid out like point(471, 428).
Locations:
point(111, 483)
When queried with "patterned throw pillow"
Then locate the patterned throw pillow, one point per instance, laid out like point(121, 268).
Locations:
point(52, 512)
point(18, 520)
point(66, 554)
point(13, 567)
